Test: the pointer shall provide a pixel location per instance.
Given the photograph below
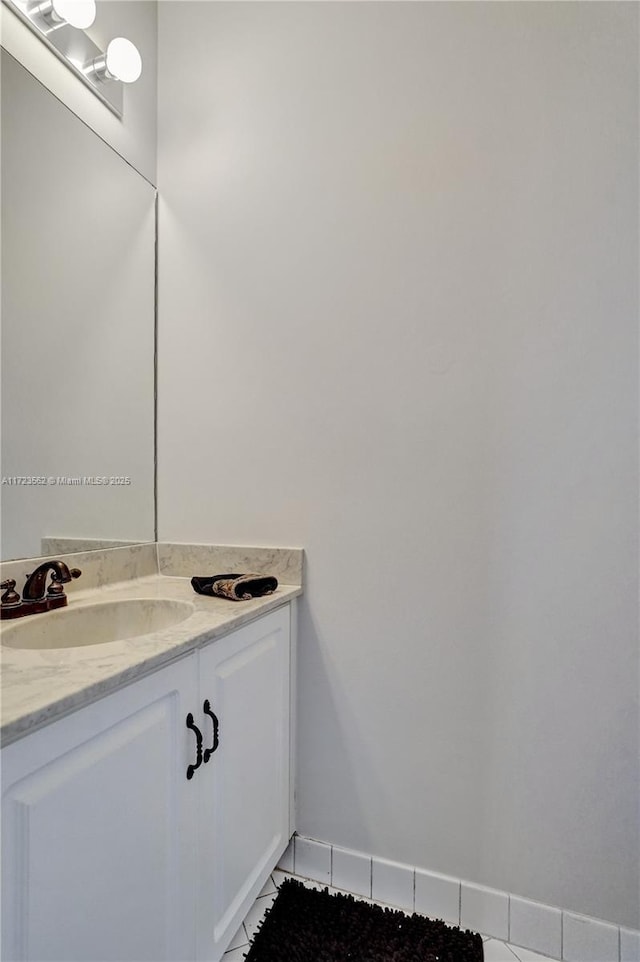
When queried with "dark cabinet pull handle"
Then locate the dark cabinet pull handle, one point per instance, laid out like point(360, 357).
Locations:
point(208, 752)
point(192, 768)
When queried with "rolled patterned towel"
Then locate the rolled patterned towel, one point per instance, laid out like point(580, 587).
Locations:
point(236, 587)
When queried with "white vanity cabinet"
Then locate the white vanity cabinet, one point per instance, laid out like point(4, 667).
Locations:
point(109, 851)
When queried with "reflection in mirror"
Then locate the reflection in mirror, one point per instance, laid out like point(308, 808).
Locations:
point(78, 331)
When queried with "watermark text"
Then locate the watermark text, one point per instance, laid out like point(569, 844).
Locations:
point(84, 480)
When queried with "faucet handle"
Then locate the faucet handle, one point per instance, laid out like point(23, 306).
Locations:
point(10, 597)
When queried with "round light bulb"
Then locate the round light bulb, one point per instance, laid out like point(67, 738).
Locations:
point(78, 13)
point(123, 60)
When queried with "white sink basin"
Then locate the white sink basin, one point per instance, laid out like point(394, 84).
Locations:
point(95, 624)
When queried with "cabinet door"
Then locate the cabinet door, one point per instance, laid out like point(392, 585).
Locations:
point(244, 788)
point(98, 829)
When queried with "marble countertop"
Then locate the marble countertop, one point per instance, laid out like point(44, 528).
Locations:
point(39, 686)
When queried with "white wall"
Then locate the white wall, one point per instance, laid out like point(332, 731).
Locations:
point(134, 135)
point(398, 326)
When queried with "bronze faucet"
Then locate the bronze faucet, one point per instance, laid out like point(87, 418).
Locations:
point(34, 600)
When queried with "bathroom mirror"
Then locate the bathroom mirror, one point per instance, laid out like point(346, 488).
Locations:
point(78, 332)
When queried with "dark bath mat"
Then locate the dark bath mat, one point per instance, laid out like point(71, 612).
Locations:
point(307, 925)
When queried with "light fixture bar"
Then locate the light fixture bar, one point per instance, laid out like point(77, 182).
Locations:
point(74, 48)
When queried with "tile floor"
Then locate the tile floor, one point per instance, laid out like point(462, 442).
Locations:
point(494, 951)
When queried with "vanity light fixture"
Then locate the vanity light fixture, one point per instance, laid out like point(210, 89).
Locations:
point(61, 25)
point(77, 13)
point(121, 61)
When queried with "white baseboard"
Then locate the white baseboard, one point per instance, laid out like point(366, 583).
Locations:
point(540, 928)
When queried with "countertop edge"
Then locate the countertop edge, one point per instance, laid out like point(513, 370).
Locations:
point(32, 721)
